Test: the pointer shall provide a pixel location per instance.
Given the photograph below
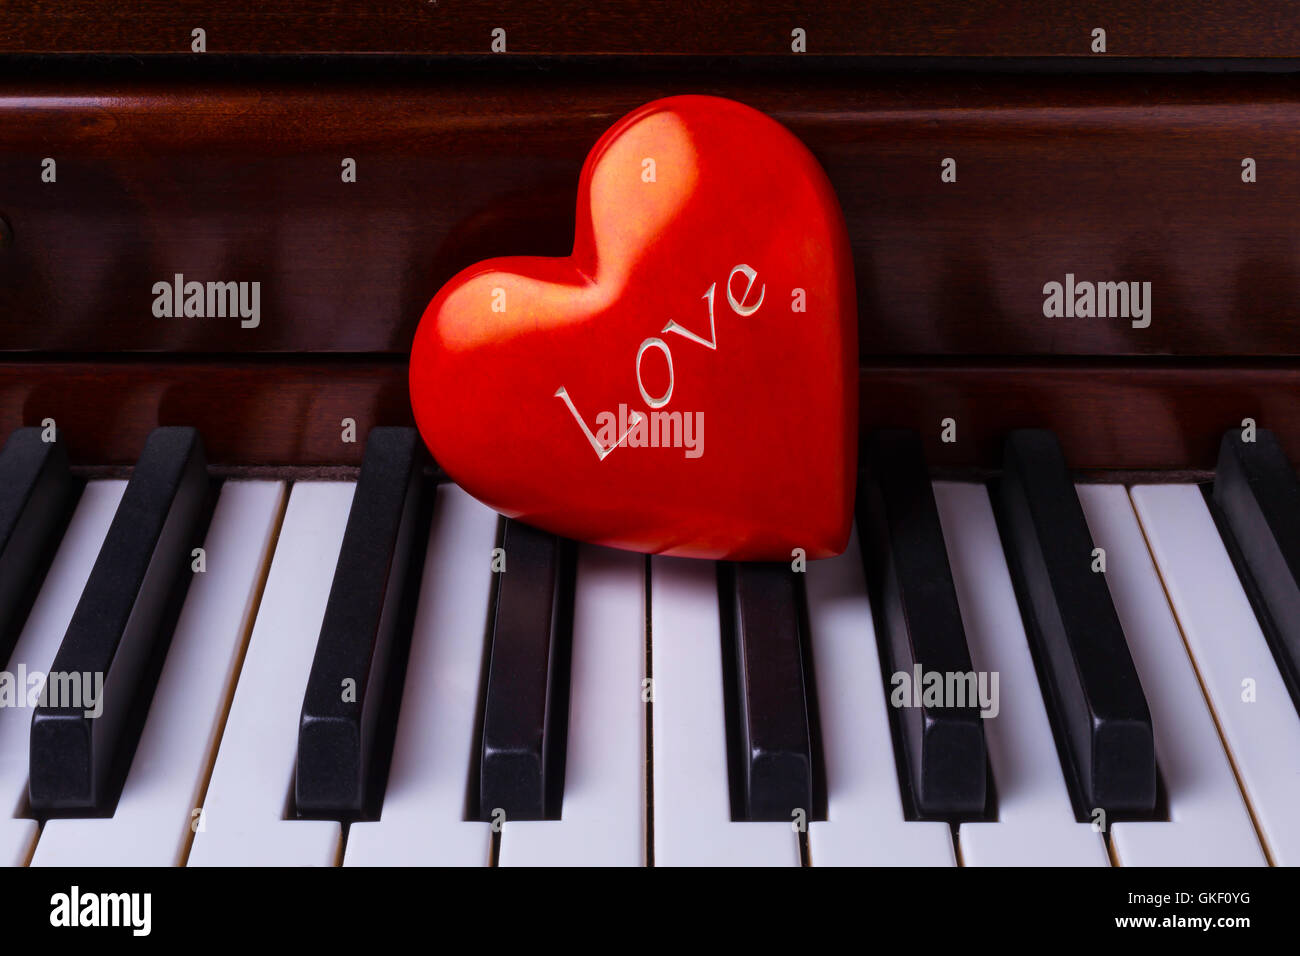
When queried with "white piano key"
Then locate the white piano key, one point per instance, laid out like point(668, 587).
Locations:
point(1036, 825)
point(152, 822)
point(34, 652)
point(603, 816)
point(692, 803)
point(243, 821)
point(1262, 733)
point(865, 825)
point(423, 817)
point(1208, 821)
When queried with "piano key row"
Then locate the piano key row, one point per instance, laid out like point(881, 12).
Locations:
point(629, 711)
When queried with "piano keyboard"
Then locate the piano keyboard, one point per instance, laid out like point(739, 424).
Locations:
point(572, 705)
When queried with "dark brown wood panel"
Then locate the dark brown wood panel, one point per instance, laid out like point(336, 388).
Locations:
point(1120, 416)
point(1108, 178)
point(1157, 28)
point(249, 413)
point(1126, 416)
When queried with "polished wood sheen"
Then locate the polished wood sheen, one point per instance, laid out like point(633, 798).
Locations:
point(1125, 166)
point(1164, 28)
point(1117, 178)
point(1119, 415)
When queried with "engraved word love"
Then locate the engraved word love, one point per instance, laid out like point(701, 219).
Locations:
point(660, 423)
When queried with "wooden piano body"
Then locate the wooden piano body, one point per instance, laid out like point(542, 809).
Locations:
point(227, 166)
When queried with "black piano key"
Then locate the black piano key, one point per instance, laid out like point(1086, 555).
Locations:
point(1257, 493)
point(1092, 688)
point(525, 711)
point(351, 672)
point(770, 699)
point(131, 595)
point(35, 491)
point(915, 604)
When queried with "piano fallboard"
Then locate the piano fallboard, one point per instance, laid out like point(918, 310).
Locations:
point(238, 178)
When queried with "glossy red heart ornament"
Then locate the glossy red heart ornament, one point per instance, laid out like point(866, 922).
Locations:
point(685, 382)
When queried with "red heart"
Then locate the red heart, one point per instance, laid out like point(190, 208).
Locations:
point(687, 204)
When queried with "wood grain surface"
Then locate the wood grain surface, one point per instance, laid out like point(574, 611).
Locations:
point(1107, 178)
point(1048, 28)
